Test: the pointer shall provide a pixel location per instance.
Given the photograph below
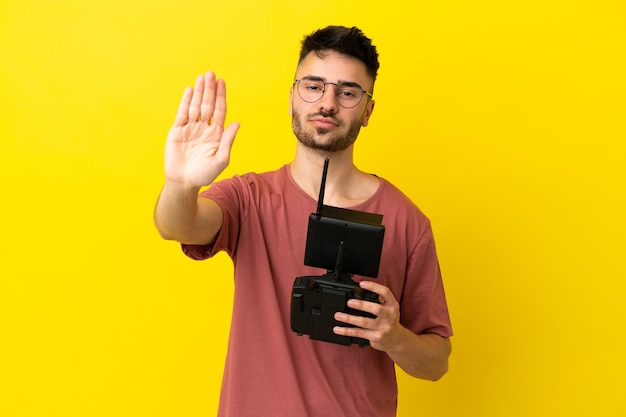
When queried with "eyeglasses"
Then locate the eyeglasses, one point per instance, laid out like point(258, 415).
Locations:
point(349, 95)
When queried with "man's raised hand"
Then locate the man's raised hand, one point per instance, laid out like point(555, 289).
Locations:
point(198, 147)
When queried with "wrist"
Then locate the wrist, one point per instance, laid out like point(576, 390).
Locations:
point(403, 338)
point(181, 188)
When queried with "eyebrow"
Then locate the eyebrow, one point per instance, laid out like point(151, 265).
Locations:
point(322, 79)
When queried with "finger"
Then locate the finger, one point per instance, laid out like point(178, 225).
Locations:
point(385, 296)
point(219, 114)
point(358, 321)
point(366, 306)
point(194, 106)
point(350, 323)
point(350, 332)
point(208, 98)
point(226, 144)
point(182, 114)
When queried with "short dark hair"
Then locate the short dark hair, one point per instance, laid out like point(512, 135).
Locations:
point(347, 41)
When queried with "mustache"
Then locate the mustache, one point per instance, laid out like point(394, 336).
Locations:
point(325, 115)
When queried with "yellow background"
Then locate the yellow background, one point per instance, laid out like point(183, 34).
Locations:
point(502, 120)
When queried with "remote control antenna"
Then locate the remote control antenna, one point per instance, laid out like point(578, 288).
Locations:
point(320, 200)
point(339, 263)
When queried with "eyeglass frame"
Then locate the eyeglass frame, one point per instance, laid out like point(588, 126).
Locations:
point(337, 85)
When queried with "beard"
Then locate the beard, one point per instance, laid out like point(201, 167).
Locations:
point(332, 144)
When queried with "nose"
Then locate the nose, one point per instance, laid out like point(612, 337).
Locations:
point(328, 102)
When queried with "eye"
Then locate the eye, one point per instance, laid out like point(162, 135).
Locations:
point(348, 92)
point(313, 86)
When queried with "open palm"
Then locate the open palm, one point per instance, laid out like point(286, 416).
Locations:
point(198, 146)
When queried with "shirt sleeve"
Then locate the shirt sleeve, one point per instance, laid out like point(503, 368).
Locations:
point(229, 195)
point(424, 308)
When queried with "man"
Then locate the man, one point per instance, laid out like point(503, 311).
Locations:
point(261, 221)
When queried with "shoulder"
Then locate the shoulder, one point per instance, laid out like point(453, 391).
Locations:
point(401, 215)
point(266, 191)
point(249, 182)
point(395, 200)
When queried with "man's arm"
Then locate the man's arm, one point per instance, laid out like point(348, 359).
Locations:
point(182, 216)
point(197, 151)
point(423, 356)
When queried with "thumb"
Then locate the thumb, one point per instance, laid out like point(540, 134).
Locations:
point(226, 144)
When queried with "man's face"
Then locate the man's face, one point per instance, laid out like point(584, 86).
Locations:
point(324, 124)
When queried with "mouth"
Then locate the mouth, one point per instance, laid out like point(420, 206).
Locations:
point(324, 122)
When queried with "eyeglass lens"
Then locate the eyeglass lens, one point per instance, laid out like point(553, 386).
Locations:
point(348, 95)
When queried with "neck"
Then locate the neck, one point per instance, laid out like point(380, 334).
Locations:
point(346, 185)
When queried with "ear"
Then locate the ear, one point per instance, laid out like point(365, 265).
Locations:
point(291, 101)
point(369, 109)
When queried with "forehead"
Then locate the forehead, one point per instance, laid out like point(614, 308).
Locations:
point(334, 67)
